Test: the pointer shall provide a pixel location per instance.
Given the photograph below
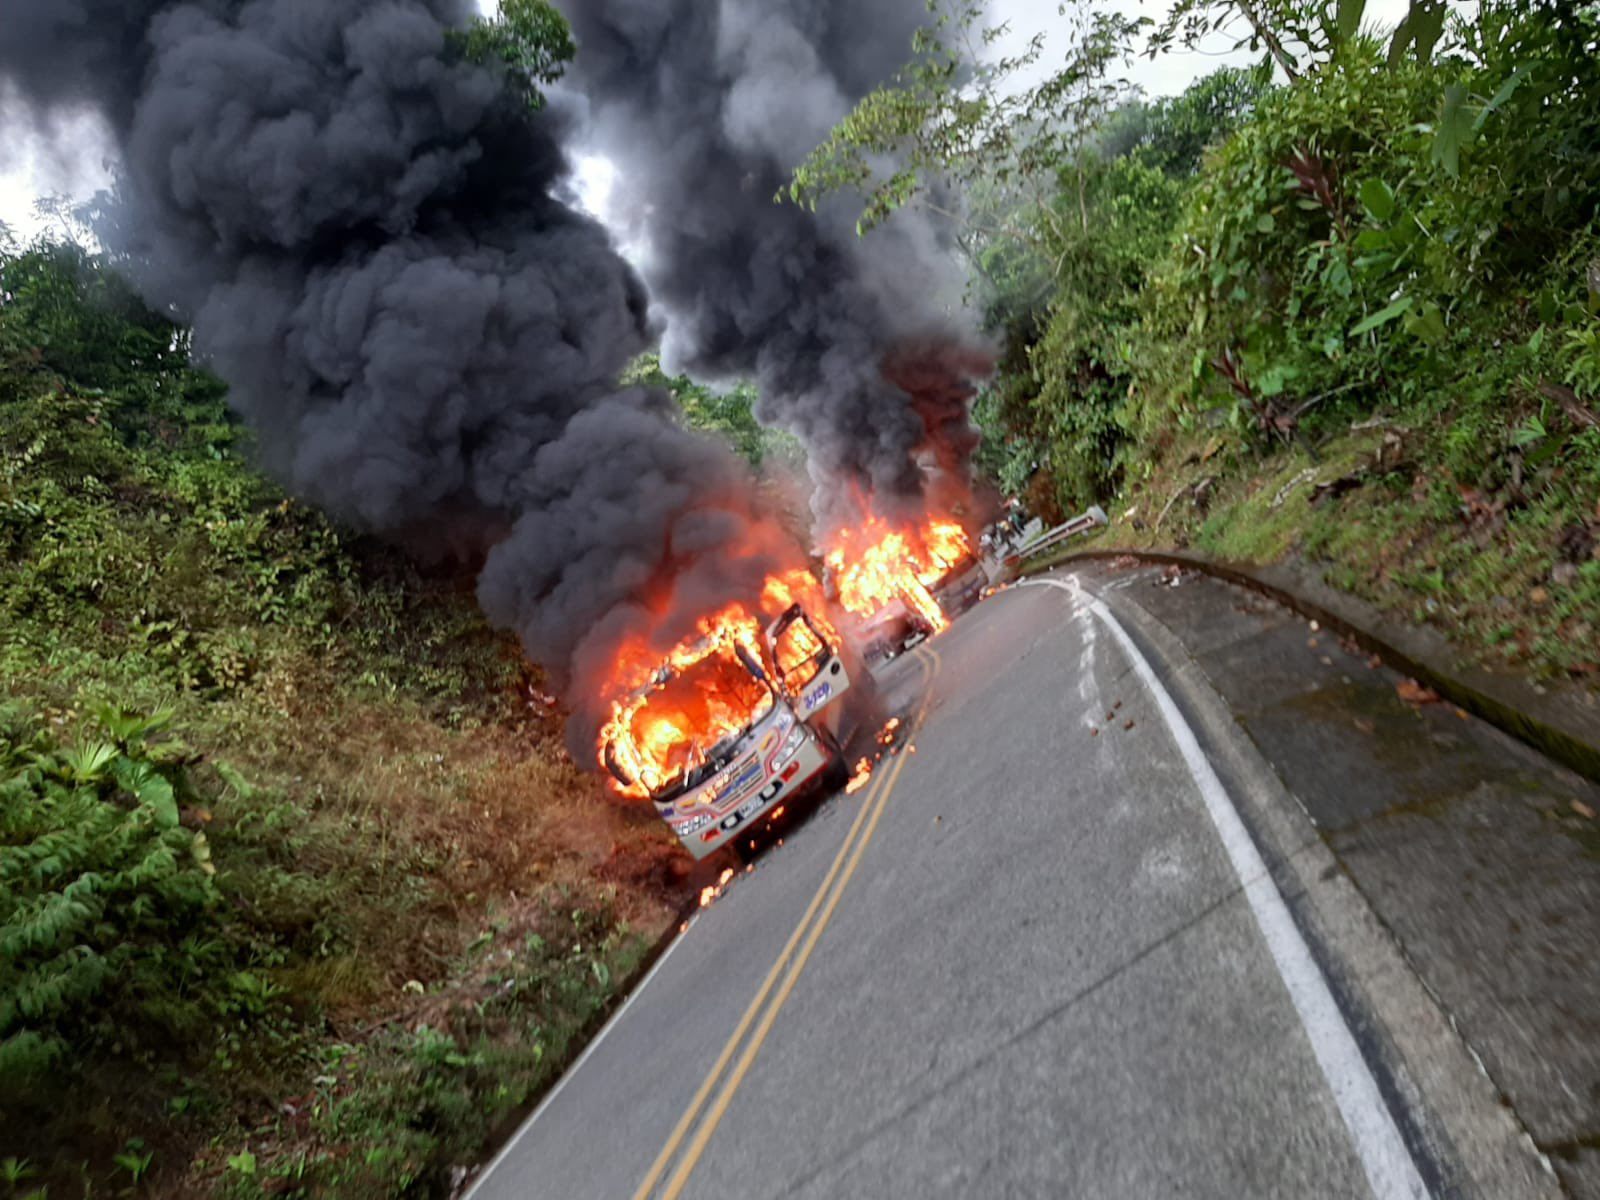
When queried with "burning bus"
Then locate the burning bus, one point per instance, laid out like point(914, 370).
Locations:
point(961, 586)
point(738, 722)
point(750, 713)
point(899, 587)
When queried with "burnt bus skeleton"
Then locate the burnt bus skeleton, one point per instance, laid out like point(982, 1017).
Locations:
point(961, 586)
point(900, 625)
point(806, 697)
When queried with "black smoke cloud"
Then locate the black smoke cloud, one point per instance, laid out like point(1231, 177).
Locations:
point(366, 235)
point(858, 345)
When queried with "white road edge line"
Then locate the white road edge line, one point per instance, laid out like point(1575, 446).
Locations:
point(1391, 1171)
point(594, 1044)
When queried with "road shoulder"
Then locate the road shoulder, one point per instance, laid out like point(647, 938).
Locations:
point(1468, 1140)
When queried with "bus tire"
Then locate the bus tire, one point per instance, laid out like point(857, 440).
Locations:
point(837, 775)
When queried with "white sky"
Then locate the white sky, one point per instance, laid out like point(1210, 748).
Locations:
point(69, 160)
point(1170, 73)
point(1164, 76)
point(73, 161)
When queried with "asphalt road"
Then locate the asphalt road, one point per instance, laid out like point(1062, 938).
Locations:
point(1051, 951)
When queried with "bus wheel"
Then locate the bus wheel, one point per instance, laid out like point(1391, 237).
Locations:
point(837, 773)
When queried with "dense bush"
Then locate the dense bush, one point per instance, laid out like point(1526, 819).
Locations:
point(1416, 235)
point(1368, 268)
point(1373, 223)
point(338, 786)
point(1060, 402)
point(111, 945)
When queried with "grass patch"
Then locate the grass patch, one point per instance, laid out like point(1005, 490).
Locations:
point(302, 895)
point(1513, 580)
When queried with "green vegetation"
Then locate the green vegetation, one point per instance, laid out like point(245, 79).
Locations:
point(730, 414)
point(1343, 306)
point(528, 39)
point(299, 894)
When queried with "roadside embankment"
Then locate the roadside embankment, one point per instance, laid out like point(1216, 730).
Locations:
point(1479, 857)
point(1561, 720)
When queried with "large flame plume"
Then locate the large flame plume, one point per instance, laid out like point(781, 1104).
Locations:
point(668, 712)
point(875, 563)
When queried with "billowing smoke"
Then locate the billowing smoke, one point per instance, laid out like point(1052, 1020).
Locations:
point(365, 232)
point(706, 106)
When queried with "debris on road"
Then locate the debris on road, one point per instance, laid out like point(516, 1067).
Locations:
point(1415, 694)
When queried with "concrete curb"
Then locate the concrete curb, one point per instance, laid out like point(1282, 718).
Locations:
point(1563, 722)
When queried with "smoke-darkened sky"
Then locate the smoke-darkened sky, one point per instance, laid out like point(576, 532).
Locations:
point(369, 237)
point(705, 108)
point(27, 172)
point(383, 256)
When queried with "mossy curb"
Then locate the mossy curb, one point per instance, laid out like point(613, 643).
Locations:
point(1563, 723)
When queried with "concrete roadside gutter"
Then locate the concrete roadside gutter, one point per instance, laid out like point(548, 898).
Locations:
point(1562, 722)
point(1474, 845)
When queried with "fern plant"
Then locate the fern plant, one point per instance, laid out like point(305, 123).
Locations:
point(101, 889)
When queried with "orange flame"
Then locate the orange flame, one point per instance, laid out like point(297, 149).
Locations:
point(669, 711)
point(874, 565)
point(858, 780)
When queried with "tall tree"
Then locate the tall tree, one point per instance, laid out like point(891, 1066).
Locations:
point(529, 39)
point(956, 120)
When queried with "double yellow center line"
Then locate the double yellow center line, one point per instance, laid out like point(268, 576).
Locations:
point(817, 915)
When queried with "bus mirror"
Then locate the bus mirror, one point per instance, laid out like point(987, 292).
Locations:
point(616, 767)
point(750, 664)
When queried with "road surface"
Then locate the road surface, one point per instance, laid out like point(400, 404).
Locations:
point(1073, 944)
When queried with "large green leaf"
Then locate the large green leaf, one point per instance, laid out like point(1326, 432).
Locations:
point(1383, 316)
point(1426, 325)
point(1377, 197)
point(151, 790)
point(1373, 241)
point(1349, 18)
point(87, 763)
point(1453, 131)
point(1504, 93)
point(130, 727)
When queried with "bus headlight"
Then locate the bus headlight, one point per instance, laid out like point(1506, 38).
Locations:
point(791, 744)
point(692, 825)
